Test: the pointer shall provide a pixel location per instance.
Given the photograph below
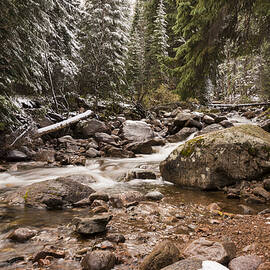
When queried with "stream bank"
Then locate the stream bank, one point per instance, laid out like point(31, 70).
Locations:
point(139, 222)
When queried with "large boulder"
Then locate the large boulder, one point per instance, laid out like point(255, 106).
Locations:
point(220, 158)
point(89, 127)
point(137, 131)
point(52, 194)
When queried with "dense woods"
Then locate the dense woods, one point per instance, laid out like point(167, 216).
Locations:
point(147, 52)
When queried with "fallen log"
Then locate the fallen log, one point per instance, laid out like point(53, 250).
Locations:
point(220, 105)
point(62, 124)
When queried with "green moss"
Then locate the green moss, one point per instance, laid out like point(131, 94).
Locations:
point(190, 145)
point(25, 197)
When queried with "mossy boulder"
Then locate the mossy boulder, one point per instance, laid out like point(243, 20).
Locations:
point(219, 158)
point(52, 194)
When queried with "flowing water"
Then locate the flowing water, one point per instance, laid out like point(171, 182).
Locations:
point(107, 173)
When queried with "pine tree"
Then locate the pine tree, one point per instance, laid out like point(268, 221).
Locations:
point(104, 50)
point(35, 34)
point(206, 26)
point(135, 64)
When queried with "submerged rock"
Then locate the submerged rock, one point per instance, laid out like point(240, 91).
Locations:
point(21, 235)
point(220, 158)
point(16, 155)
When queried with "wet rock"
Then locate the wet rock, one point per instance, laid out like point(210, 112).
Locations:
point(210, 128)
point(30, 165)
point(163, 254)
point(265, 211)
point(105, 138)
point(125, 199)
point(261, 192)
point(116, 238)
point(82, 203)
point(140, 174)
point(47, 155)
point(61, 191)
point(154, 196)
point(58, 254)
point(194, 264)
point(226, 123)
point(251, 199)
point(99, 209)
point(140, 148)
point(89, 127)
point(194, 123)
point(21, 235)
point(181, 135)
point(221, 252)
point(137, 131)
point(16, 156)
point(248, 262)
point(99, 196)
point(220, 158)
point(92, 153)
point(266, 125)
point(112, 151)
point(266, 184)
point(182, 118)
point(98, 260)
point(93, 225)
point(220, 118)
point(247, 210)
point(208, 120)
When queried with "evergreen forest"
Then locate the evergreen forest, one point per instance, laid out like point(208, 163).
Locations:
point(147, 52)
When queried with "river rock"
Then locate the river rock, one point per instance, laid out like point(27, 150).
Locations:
point(248, 262)
point(98, 260)
point(116, 238)
point(194, 123)
point(266, 184)
point(220, 158)
point(208, 120)
point(221, 252)
point(60, 192)
point(99, 196)
point(102, 137)
point(140, 147)
point(16, 156)
point(137, 131)
point(112, 151)
point(182, 118)
point(126, 199)
point(261, 192)
point(226, 123)
point(154, 196)
point(88, 128)
point(93, 225)
point(247, 210)
point(181, 135)
point(266, 125)
point(47, 155)
point(92, 153)
point(210, 128)
point(22, 234)
point(163, 254)
point(194, 264)
point(140, 174)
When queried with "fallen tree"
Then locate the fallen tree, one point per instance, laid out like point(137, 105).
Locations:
point(62, 124)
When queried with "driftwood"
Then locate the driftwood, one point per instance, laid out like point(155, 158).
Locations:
point(233, 106)
point(63, 124)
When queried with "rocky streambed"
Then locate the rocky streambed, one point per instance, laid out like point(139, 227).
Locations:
point(115, 211)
